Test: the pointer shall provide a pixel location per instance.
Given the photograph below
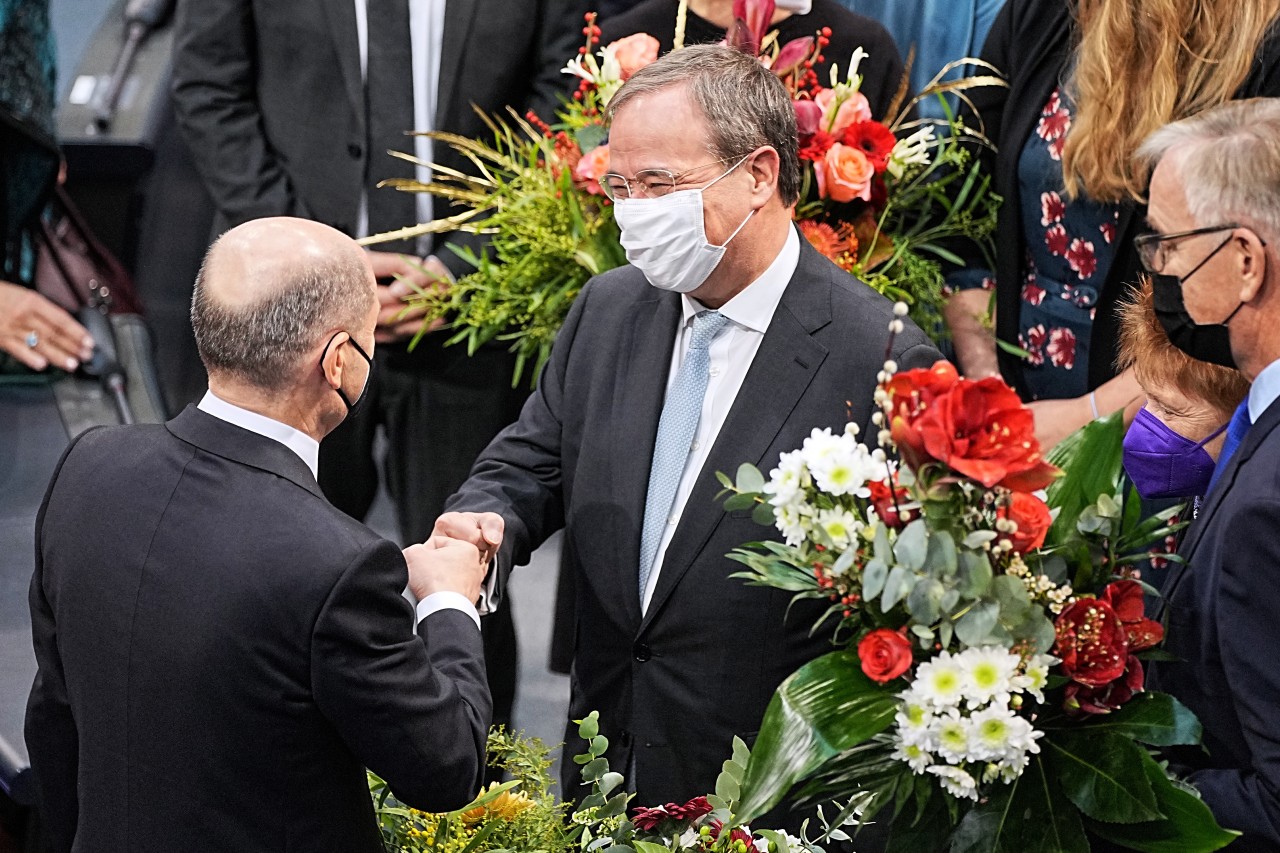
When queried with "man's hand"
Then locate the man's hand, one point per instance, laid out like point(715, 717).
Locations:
point(39, 333)
point(482, 529)
point(395, 322)
point(445, 565)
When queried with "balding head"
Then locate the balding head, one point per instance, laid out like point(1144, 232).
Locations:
point(268, 293)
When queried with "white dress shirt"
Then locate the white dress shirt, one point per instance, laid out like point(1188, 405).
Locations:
point(426, 34)
point(1264, 391)
point(308, 450)
point(731, 354)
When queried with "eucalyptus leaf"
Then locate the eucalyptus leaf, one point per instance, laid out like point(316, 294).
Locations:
point(975, 540)
point(739, 502)
point(883, 550)
point(925, 601)
point(762, 514)
point(898, 586)
point(750, 479)
point(974, 576)
point(1011, 593)
point(844, 562)
point(873, 578)
point(912, 546)
point(941, 557)
point(974, 627)
point(1091, 462)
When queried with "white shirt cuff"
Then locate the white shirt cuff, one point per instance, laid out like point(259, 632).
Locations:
point(487, 590)
point(438, 601)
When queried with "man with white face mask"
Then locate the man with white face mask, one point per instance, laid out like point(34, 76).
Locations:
point(727, 341)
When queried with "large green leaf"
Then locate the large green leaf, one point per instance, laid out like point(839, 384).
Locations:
point(822, 709)
point(1102, 774)
point(1029, 816)
point(1188, 826)
point(1090, 459)
point(1154, 718)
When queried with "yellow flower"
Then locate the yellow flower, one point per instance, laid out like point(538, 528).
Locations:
point(507, 806)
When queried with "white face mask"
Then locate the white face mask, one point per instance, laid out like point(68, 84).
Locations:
point(796, 7)
point(666, 237)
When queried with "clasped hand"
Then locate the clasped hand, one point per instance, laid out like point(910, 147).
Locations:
point(457, 556)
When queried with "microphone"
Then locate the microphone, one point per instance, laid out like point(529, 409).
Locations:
point(140, 18)
point(104, 364)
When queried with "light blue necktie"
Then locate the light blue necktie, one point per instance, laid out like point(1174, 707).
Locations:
point(676, 430)
point(1236, 431)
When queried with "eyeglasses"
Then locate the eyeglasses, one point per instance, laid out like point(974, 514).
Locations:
point(1153, 253)
point(650, 183)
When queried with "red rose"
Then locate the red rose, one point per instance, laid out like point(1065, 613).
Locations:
point(884, 655)
point(1092, 642)
point(875, 140)
point(1032, 517)
point(978, 429)
point(1125, 598)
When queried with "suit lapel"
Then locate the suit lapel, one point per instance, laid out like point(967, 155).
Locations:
point(1195, 534)
point(229, 441)
point(781, 372)
point(459, 17)
point(637, 407)
point(346, 42)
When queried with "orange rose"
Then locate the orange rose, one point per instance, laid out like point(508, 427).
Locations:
point(591, 168)
point(1033, 520)
point(837, 116)
point(634, 52)
point(844, 173)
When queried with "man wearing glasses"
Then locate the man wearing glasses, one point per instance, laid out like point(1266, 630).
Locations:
point(727, 340)
point(1215, 217)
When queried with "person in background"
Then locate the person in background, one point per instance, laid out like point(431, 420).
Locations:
point(290, 109)
point(34, 332)
point(939, 31)
point(707, 21)
point(1214, 213)
point(1088, 81)
point(1176, 438)
point(221, 651)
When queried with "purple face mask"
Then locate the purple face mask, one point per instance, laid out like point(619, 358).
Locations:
point(1164, 464)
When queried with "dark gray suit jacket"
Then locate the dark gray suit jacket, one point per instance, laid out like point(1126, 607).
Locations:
point(1222, 616)
point(270, 97)
point(674, 686)
point(221, 652)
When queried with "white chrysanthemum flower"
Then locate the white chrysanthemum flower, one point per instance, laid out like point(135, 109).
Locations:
point(940, 682)
point(1035, 675)
point(989, 673)
point(788, 481)
point(792, 523)
point(951, 737)
point(847, 470)
point(914, 720)
point(914, 755)
point(839, 526)
point(992, 733)
point(956, 781)
point(1011, 768)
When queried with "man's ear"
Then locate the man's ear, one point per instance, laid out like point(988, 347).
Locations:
point(333, 360)
point(1251, 256)
point(764, 167)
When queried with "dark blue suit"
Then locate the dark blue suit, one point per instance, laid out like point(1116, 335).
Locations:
point(1223, 621)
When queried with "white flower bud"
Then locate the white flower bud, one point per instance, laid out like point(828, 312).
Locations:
point(900, 309)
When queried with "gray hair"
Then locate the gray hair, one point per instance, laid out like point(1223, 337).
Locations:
point(263, 342)
point(1229, 162)
point(745, 105)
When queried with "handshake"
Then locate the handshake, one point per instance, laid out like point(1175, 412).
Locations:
point(457, 556)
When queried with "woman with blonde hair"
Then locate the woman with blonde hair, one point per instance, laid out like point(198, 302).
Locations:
point(1088, 81)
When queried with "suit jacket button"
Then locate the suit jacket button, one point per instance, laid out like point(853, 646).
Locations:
point(355, 151)
point(642, 652)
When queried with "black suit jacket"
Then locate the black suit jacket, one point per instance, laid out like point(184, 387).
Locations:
point(270, 97)
point(221, 652)
point(674, 686)
point(1031, 42)
point(1222, 616)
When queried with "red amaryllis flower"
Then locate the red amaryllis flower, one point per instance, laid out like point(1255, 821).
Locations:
point(978, 429)
point(1092, 642)
point(1125, 598)
point(884, 655)
point(1032, 517)
point(875, 140)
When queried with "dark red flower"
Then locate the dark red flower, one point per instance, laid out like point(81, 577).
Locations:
point(1056, 240)
point(1091, 642)
point(1082, 258)
point(1081, 699)
point(1125, 598)
point(1052, 208)
point(808, 115)
point(979, 429)
point(649, 819)
point(1061, 348)
point(816, 146)
point(884, 655)
point(887, 502)
point(874, 139)
point(1032, 517)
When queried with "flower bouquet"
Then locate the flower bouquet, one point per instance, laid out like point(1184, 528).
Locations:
point(880, 206)
point(523, 816)
point(988, 689)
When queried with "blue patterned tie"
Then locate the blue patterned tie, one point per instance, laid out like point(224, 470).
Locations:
point(676, 430)
point(1236, 431)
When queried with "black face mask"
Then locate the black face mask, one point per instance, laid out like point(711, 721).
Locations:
point(353, 408)
point(1209, 342)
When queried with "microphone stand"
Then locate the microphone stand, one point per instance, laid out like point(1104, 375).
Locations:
point(141, 17)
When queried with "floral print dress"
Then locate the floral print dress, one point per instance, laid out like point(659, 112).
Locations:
point(1069, 250)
